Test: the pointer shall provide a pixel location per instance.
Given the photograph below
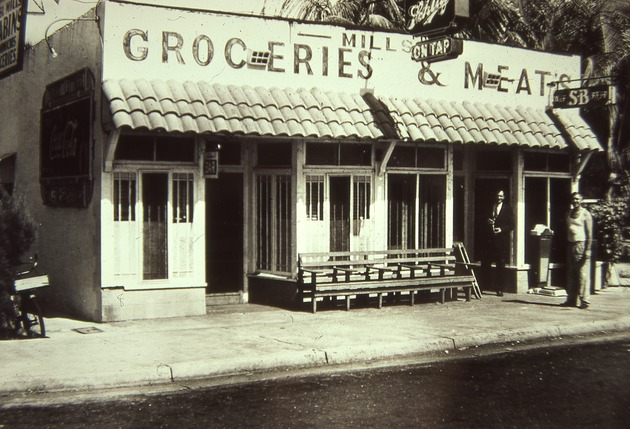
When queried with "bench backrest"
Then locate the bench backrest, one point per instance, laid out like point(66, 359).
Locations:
point(383, 258)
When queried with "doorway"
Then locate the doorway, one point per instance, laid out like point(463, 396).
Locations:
point(485, 196)
point(401, 211)
point(154, 233)
point(224, 233)
point(339, 214)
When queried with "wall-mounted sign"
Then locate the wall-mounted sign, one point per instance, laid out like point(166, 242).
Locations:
point(12, 31)
point(141, 40)
point(436, 50)
point(211, 164)
point(66, 141)
point(581, 97)
point(429, 16)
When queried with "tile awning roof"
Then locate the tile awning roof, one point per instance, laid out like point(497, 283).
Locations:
point(203, 107)
point(212, 108)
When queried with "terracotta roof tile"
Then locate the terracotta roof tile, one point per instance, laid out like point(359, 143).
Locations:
point(203, 107)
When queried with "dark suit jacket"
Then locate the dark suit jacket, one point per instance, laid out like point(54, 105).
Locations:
point(501, 242)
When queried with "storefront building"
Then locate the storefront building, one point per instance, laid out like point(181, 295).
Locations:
point(188, 157)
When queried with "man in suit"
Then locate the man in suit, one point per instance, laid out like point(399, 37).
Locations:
point(500, 225)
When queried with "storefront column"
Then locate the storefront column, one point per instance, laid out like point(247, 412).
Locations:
point(519, 236)
point(448, 206)
point(469, 240)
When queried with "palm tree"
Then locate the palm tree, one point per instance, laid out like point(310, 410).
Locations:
point(599, 30)
point(366, 13)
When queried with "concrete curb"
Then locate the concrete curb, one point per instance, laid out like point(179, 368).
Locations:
point(235, 345)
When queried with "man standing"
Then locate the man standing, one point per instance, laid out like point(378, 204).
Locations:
point(500, 226)
point(579, 236)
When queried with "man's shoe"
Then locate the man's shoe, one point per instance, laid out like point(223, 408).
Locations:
point(583, 306)
point(566, 304)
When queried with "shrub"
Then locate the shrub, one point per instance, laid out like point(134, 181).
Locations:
point(610, 216)
point(17, 234)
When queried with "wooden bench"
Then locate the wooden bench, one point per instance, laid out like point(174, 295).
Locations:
point(377, 273)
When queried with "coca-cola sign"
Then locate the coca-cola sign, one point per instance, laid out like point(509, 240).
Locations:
point(66, 141)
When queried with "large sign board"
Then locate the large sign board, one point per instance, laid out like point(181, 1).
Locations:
point(159, 43)
point(66, 141)
point(12, 31)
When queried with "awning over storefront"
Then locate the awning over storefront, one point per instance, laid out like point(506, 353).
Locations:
point(470, 123)
point(207, 108)
point(202, 107)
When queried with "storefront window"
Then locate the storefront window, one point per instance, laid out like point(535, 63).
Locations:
point(418, 157)
point(230, 153)
point(546, 203)
point(133, 147)
point(315, 198)
point(494, 161)
point(125, 227)
point(336, 154)
point(274, 154)
point(124, 197)
point(362, 197)
point(549, 162)
point(183, 201)
point(143, 230)
point(415, 211)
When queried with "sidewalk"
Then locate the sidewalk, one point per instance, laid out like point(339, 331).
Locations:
point(250, 338)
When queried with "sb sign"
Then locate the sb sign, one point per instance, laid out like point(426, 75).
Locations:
point(435, 50)
point(581, 97)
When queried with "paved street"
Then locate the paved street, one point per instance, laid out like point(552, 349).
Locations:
point(570, 384)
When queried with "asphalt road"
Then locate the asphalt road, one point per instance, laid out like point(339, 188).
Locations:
point(577, 385)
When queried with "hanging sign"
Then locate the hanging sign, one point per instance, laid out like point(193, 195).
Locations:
point(211, 164)
point(12, 31)
point(435, 50)
point(591, 96)
point(430, 16)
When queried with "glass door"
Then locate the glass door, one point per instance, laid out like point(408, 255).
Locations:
point(154, 226)
point(340, 214)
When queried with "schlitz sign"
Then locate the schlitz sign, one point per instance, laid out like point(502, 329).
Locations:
point(430, 16)
point(66, 141)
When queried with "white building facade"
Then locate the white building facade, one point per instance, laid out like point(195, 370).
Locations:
point(202, 152)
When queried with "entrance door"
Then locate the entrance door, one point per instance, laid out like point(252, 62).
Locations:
point(155, 238)
point(224, 233)
point(485, 196)
point(401, 211)
point(340, 214)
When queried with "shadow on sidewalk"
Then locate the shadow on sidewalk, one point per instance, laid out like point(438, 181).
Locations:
point(544, 304)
